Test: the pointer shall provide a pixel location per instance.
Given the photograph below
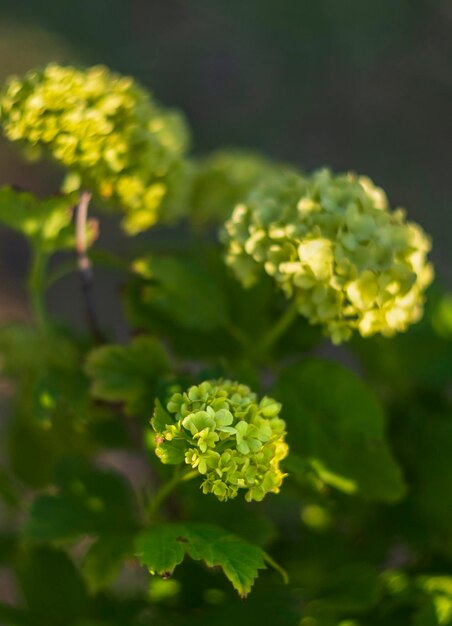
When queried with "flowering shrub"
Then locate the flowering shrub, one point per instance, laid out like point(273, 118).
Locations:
point(216, 432)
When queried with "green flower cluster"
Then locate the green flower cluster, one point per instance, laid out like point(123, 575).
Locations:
point(221, 180)
point(333, 245)
point(232, 439)
point(107, 131)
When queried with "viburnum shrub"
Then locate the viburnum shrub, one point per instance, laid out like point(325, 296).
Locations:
point(217, 431)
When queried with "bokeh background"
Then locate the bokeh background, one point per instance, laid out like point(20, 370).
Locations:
point(354, 84)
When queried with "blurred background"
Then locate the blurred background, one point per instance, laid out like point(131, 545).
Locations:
point(357, 84)
point(354, 84)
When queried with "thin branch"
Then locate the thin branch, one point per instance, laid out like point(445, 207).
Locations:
point(84, 264)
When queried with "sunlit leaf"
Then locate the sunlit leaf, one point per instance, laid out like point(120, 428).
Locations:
point(163, 547)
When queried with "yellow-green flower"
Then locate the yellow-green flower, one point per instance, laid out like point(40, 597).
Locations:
point(108, 132)
point(333, 245)
point(221, 429)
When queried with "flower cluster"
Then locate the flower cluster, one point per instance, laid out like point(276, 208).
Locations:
point(333, 245)
point(221, 180)
point(107, 131)
point(232, 439)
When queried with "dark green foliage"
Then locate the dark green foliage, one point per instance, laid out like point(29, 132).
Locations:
point(128, 375)
point(363, 520)
point(337, 425)
point(88, 501)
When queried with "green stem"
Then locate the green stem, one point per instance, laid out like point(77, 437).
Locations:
point(238, 334)
point(276, 566)
point(277, 330)
point(36, 287)
point(166, 489)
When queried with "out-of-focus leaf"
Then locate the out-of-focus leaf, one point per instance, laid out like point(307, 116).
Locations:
point(418, 359)
point(426, 444)
point(436, 610)
point(12, 616)
point(223, 179)
point(8, 545)
point(52, 585)
point(51, 415)
point(336, 423)
point(353, 588)
point(183, 290)
point(105, 557)
point(47, 222)
point(163, 547)
point(89, 501)
point(128, 374)
point(8, 491)
point(218, 312)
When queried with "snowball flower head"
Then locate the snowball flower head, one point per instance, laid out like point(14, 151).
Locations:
point(107, 131)
point(333, 245)
point(232, 439)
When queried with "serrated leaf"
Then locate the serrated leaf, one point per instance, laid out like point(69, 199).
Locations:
point(163, 547)
point(128, 374)
point(336, 423)
point(89, 501)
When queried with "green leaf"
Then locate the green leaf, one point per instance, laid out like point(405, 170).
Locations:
point(426, 442)
point(8, 490)
point(336, 423)
point(437, 607)
point(172, 452)
point(128, 374)
point(353, 588)
point(12, 616)
point(89, 501)
point(161, 418)
point(183, 290)
point(242, 315)
point(47, 222)
point(51, 409)
point(8, 545)
point(105, 558)
point(163, 547)
point(52, 585)
point(408, 361)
